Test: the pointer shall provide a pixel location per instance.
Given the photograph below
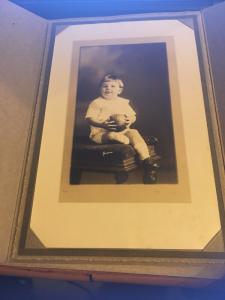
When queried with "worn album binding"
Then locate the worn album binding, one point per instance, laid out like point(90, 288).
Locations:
point(75, 203)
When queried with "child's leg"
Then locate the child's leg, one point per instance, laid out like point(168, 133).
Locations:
point(115, 136)
point(106, 137)
point(139, 144)
point(148, 160)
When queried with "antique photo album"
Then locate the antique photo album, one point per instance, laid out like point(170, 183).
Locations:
point(90, 194)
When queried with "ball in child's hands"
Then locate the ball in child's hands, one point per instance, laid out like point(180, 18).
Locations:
point(120, 120)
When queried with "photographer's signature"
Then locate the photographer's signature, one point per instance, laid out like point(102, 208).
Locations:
point(104, 153)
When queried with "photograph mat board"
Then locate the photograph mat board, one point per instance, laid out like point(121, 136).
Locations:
point(184, 223)
point(165, 192)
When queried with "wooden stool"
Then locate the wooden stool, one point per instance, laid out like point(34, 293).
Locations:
point(118, 159)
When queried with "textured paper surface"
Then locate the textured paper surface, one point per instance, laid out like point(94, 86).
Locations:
point(214, 26)
point(22, 37)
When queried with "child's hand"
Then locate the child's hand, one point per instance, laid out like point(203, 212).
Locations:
point(110, 125)
point(127, 121)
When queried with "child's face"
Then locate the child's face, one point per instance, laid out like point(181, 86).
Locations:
point(110, 89)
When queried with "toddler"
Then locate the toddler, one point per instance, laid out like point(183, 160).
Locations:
point(105, 129)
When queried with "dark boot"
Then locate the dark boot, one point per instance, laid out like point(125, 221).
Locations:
point(150, 166)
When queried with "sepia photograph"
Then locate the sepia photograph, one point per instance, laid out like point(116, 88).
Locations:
point(123, 129)
point(126, 140)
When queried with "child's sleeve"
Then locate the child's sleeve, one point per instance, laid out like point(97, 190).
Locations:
point(130, 112)
point(93, 110)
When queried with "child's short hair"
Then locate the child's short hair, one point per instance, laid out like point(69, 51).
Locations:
point(109, 77)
